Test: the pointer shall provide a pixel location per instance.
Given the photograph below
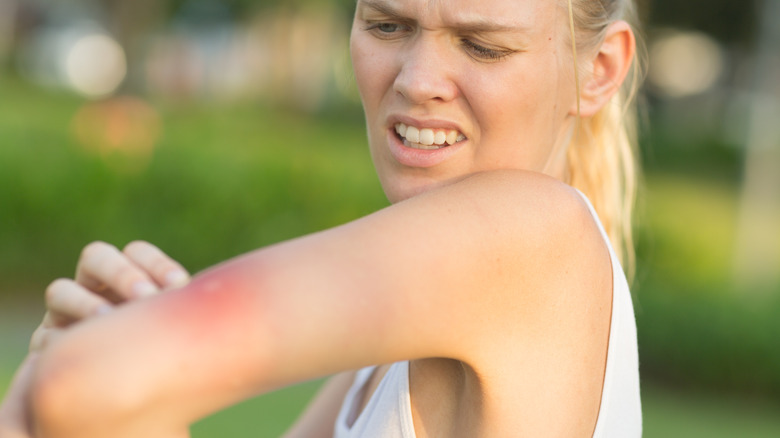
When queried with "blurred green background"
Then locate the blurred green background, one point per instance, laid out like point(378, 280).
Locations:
point(214, 127)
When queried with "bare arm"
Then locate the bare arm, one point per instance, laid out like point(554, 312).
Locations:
point(105, 277)
point(434, 276)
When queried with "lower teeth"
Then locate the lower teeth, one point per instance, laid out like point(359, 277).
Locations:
point(408, 144)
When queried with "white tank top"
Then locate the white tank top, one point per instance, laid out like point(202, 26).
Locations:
point(388, 413)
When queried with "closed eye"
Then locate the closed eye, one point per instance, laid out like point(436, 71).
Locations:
point(484, 53)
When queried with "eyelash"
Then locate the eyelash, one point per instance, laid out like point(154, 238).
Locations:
point(483, 52)
point(475, 50)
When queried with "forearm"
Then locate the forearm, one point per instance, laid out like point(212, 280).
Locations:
point(59, 413)
point(60, 410)
point(94, 382)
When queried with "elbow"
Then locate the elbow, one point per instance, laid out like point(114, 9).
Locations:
point(54, 394)
point(67, 396)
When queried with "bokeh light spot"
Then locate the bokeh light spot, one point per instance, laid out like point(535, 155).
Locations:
point(123, 130)
point(95, 65)
point(684, 63)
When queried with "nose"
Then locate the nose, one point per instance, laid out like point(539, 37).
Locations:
point(425, 75)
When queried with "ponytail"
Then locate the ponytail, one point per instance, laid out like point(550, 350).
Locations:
point(601, 158)
point(602, 165)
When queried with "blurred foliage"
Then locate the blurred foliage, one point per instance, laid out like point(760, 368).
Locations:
point(725, 343)
point(697, 328)
point(675, 413)
point(220, 182)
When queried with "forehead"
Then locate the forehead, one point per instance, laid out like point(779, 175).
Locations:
point(520, 14)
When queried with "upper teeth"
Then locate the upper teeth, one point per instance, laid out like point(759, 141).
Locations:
point(427, 136)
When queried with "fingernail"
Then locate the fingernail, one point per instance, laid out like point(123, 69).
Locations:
point(144, 289)
point(104, 309)
point(176, 278)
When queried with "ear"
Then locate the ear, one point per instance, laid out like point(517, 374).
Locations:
point(607, 69)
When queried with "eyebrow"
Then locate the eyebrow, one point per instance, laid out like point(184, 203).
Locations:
point(478, 25)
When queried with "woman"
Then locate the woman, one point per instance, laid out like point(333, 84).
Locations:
point(487, 293)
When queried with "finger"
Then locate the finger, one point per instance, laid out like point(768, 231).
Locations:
point(68, 301)
point(40, 338)
point(43, 337)
point(54, 320)
point(102, 268)
point(164, 270)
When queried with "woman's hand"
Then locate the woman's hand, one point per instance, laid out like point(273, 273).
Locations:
point(14, 416)
point(106, 277)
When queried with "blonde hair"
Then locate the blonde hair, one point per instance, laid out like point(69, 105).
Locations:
point(601, 159)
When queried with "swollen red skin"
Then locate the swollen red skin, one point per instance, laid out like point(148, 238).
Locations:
point(180, 354)
point(216, 330)
point(219, 301)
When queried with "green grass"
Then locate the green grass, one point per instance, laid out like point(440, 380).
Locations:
point(265, 416)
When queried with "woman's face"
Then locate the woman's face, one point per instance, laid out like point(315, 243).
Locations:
point(455, 87)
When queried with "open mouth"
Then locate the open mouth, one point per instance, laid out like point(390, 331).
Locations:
point(425, 138)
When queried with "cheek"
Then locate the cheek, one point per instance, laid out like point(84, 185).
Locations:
point(524, 99)
point(373, 70)
point(519, 113)
point(362, 66)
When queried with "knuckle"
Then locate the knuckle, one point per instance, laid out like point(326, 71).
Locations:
point(162, 266)
point(126, 275)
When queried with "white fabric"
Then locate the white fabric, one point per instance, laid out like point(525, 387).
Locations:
point(388, 413)
point(620, 414)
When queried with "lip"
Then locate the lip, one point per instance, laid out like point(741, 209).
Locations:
point(422, 158)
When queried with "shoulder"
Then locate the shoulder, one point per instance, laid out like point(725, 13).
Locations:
point(552, 224)
point(530, 205)
point(541, 309)
point(529, 241)
point(540, 226)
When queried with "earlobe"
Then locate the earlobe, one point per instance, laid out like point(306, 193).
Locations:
point(608, 68)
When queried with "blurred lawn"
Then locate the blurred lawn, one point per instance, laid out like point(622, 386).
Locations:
point(224, 180)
